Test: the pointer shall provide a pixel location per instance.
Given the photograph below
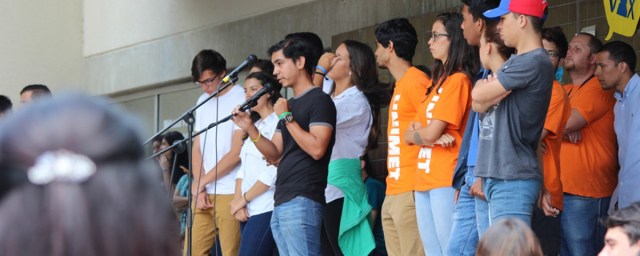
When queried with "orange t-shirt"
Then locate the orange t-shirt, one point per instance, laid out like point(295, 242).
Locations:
point(555, 122)
point(401, 158)
point(589, 168)
point(567, 88)
point(450, 104)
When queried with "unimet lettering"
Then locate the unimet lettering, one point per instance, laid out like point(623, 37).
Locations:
point(393, 151)
point(424, 156)
point(424, 159)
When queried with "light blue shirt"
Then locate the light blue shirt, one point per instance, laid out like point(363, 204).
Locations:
point(627, 127)
point(473, 146)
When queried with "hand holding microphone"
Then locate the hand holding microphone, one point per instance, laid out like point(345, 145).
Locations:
point(251, 102)
point(240, 116)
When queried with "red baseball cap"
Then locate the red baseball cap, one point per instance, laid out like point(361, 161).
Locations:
point(527, 7)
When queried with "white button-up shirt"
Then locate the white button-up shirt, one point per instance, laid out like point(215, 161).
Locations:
point(353, 124)
point(254, 168)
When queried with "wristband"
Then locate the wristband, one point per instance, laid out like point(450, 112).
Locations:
point(322, 69)
point(244, 195)
point(283, 114)
point(257, 139)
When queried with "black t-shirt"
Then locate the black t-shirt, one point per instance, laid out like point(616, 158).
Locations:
point(298, 173)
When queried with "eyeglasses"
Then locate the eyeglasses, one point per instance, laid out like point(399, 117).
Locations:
point(553, 54)
point(435, 36)
point(206, 82)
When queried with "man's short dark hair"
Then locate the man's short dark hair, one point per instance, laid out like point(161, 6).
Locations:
point(402, 34)
point(313, 40)
point(621, 52)
point(207, 60)
point(37, 90)
point(478, 7)
point(536, 23)
point(628, 219)
point(264, 65)
point(295, 48)
point(556, 36)
point(5, 104)
point(594, 43)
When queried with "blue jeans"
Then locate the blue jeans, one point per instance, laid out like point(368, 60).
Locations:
point(434, 214)
point(582, 233)
point(296, 226)
point(511, 198)
point(470, 217)
point(256, 238)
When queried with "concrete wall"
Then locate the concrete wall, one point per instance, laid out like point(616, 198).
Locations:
point(117, 24)
point(41, 43)
point(120, 46)
point(167, 60)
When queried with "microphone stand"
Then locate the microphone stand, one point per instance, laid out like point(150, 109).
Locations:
point(189, 141)
point(189, 119)
point(190, 112)
point(178, 142)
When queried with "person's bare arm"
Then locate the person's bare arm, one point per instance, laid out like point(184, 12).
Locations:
point(196, 162)
point(324, 62)
point(179, 202)
point(425, 136)
point(270, 149)
point(314, 142)
point(486, 93)
point(240, 202)
point(226, 164)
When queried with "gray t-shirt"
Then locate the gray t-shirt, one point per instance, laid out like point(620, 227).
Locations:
point(510, 131)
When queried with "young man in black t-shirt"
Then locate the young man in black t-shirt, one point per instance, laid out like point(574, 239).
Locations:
point(302, 145)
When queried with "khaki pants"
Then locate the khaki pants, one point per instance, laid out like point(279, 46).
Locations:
point(399, 225)
point(203, 228)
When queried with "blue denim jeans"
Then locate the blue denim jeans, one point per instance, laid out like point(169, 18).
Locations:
point(582, 233)
point(470, 217)
point(434, 214)
point(256, 238)
point(511, 198)
point(296, 226)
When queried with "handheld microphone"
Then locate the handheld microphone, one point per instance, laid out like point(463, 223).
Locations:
point(266, 88)
point(234, 73)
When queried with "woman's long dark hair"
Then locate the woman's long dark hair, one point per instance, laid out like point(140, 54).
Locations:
point(274, 95)
point(492, 35)
point(181, 160)
point(461, 56)
point(265, 78)
point(121, 209)
point(364, 74)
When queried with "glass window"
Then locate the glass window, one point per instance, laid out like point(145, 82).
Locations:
point(172, 105)
point(144, 109)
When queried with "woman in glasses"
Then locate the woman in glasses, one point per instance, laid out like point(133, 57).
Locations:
point(438, 128)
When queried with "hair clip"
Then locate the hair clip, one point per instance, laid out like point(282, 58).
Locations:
point(61, 165)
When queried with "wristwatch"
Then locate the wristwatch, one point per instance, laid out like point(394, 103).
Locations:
point(288, 118)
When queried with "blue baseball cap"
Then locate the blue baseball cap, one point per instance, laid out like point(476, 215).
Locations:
point(527, 7)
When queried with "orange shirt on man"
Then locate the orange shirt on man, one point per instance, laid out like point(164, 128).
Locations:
point(408, 93)
point(555, 123)
point(449, 103)
point(589, 168)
